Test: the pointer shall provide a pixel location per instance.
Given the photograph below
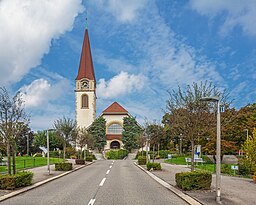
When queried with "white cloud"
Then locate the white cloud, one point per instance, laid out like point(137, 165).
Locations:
point(40, 92)
point(119, 85)
point(237, 13)
point(36, 93)
point(124, 11)
point(27, 29)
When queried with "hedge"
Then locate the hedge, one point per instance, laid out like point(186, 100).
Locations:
point(154, 166)
point(63, 166)
point(20, 179)
point(89, 158)
point(80, 161)
point(193, 180)
point(142, 160)
point(116, 154)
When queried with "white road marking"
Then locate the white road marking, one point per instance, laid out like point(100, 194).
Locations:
point(113, 161)
point(110, 167)
point(102, 182)
point(91, 202)
point(108, 172)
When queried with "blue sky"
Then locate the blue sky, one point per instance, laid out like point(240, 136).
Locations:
point(140, 48)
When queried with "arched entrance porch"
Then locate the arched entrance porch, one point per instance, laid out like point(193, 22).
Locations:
point(115, 145)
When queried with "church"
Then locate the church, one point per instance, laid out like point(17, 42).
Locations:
point(85, 94)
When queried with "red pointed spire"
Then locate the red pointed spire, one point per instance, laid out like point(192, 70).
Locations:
point(86, 69)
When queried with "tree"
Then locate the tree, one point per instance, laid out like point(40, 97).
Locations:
point(24, 140)
point(84, 138)
point(249, 147)
point(66, 129)
point(191, 117)
point(155, 133)
point(131, 132)
point(41, 141)
point(98, 131)
point(12, 120)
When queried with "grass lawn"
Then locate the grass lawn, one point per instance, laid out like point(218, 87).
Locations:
point(207, 166)
point(30, 162)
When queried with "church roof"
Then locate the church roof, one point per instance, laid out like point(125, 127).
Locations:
point(86, 69)
point(115, 108)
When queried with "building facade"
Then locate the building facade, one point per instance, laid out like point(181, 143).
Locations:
point(85, 94)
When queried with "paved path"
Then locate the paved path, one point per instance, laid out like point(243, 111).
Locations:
point(104, 182)
point(234, 190)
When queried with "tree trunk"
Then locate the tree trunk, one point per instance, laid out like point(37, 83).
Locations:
point(158, 148)
point(64, 151)
point(192, 157)
point(9, 158)
point(142, 151)
point(13, 159)
point(81, 155)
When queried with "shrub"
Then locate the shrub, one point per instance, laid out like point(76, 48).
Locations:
point(37, 155)
point(244, 167)
point(226, 169)
point(140, 154)
point(63, 166)
point(80, 161)
point(20, 179)
point(73, 157)
point(142, 160)
point(116, 154)
point(193, 180)
point(89, 158)
point(154, 166)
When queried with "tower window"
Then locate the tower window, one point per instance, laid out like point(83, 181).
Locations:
point(115, 129)
point(85, 101)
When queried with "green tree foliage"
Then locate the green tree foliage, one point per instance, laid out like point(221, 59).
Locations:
point(24, 140)
point(188, 115)
point(66, 129)
point(250, 149)
point(54, 140)
point(131, 132)
point(98, 131)
point(12, 121)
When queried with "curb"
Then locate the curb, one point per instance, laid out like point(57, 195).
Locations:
point(25, 189)
point(179, 193)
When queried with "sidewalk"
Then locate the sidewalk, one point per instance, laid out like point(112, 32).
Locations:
point(234, 190)
point(41, 174)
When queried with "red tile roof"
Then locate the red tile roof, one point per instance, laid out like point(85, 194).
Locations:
point(115, 108)
point(86, 69)
point(113, 137)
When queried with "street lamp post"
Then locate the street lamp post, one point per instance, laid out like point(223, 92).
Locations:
point(48, 152)
point(181, 144)
point(218, 145)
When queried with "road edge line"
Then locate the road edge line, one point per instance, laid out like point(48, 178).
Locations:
point(179, 193)
point(33, 186)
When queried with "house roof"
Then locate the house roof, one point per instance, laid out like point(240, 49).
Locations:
point(86, 69)
point(115, 108)
point(113, 137)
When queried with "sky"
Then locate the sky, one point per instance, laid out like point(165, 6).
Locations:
point(140, 49)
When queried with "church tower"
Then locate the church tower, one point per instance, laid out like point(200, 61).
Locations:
point(85, 87)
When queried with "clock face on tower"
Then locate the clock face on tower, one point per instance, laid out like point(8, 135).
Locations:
point(84, 84)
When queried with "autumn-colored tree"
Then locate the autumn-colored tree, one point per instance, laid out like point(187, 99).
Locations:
point(191, 117)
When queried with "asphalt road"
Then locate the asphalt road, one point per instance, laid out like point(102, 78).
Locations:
point(104, 182)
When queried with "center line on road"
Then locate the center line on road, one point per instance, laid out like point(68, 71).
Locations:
point(108, 172)
point(110, 167)
point(102, 182)
point(91, 202)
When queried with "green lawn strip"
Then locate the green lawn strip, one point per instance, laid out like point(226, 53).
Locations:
point(30, 162)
